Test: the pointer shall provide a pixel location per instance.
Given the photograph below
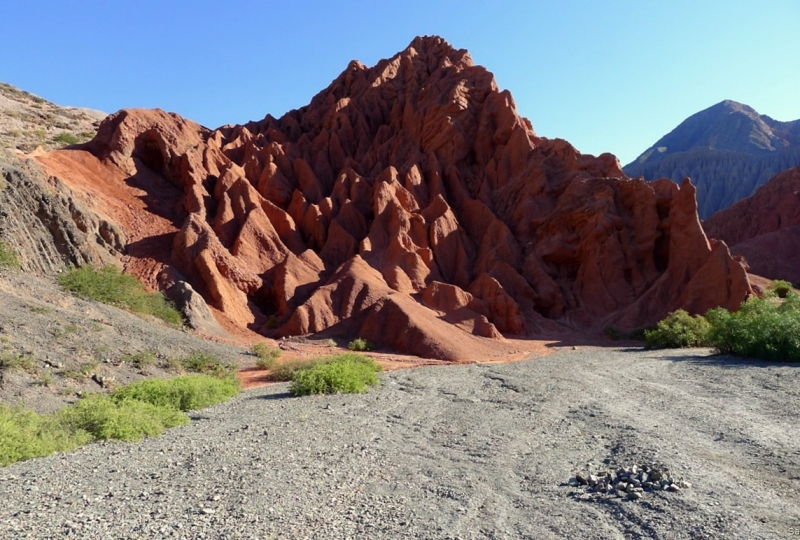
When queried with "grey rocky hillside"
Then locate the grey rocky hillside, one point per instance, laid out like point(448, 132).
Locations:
point(53, 346)
point(28, 121)
point(728, 150)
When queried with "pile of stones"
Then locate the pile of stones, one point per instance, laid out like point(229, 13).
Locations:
point(626, 482)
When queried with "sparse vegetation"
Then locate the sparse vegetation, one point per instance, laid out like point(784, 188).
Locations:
point(141, 359)
point(345, 373)
point(359, 345)
point(765, 328)
point(66, 138)
point(286, 370)
point(46, 380)
point(781, 288)
point(39, 309)
point(110, 286)
point(9, 360)
point(272, 321)
point(144, 409)
point(8, 257)
point(62, 332)
point(25, 435)
point(201, 362)
point(186, 393)
point(678, 329)
point(266, 355)
point(127, 420)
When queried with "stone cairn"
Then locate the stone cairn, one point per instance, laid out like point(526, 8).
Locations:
point(626, 482)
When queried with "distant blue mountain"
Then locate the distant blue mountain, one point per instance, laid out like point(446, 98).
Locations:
point(728, 150)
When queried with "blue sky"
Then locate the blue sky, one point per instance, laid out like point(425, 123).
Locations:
point(608, 77)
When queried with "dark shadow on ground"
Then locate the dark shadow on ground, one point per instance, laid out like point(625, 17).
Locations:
point(723, 360)
point(271, 397)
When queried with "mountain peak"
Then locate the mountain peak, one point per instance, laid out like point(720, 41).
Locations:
point(728, 126)
point(728, 150)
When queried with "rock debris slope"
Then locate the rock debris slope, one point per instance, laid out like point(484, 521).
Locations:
point(765, 228)
point(410, 204)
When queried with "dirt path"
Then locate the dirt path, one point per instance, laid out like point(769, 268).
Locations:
point(478, 451)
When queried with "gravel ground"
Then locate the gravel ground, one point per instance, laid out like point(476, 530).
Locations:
point(478, 451)
point(63, 334)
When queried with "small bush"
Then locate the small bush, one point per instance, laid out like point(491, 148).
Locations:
point(360, 345)
point(612, 333)
point(187, 393)
point(765, 328)
point(285, 371)
point(144, 409)
point(126, 420)
point(347, 373)
point(140, 360)
point(110, 286)
point(25, 435)
point(17, 361)
point(678, 329)
point(201, 362)
point(781, 288)
point(272, 322)
point(8, 257)
point(66, 138)
point(266, 355)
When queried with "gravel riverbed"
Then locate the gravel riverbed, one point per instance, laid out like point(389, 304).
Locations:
point(477, 451)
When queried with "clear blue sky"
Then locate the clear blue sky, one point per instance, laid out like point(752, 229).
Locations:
point(607, 76)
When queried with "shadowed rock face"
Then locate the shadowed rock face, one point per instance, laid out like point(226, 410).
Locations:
point(765, 228)
point(728, 150)
point(410, 204)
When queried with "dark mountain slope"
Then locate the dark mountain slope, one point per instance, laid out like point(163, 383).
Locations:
point(728, 150)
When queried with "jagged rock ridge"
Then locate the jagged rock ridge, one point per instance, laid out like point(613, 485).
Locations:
point(410, 204)
point(728, 150)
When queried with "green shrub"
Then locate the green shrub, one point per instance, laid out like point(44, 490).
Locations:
point(144, 409)
point(678, 329)
point(66, 138)
point(346, 373)
point(22, 361)
point(360, 345)
point(8, 257)
point(185, 393)
point(781, 288)
point(201, 362)
point(125, 420)
point(266, 355)
point(25, 435)
point(286, 370)
point(141, 359)
point(110, 286)
point(765, 328)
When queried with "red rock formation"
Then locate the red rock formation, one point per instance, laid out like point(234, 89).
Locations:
point(765, 228)
point(410, 204)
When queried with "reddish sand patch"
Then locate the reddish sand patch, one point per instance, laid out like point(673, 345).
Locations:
point(253, 377)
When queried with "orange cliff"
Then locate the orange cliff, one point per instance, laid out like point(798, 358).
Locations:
point(409, 204)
